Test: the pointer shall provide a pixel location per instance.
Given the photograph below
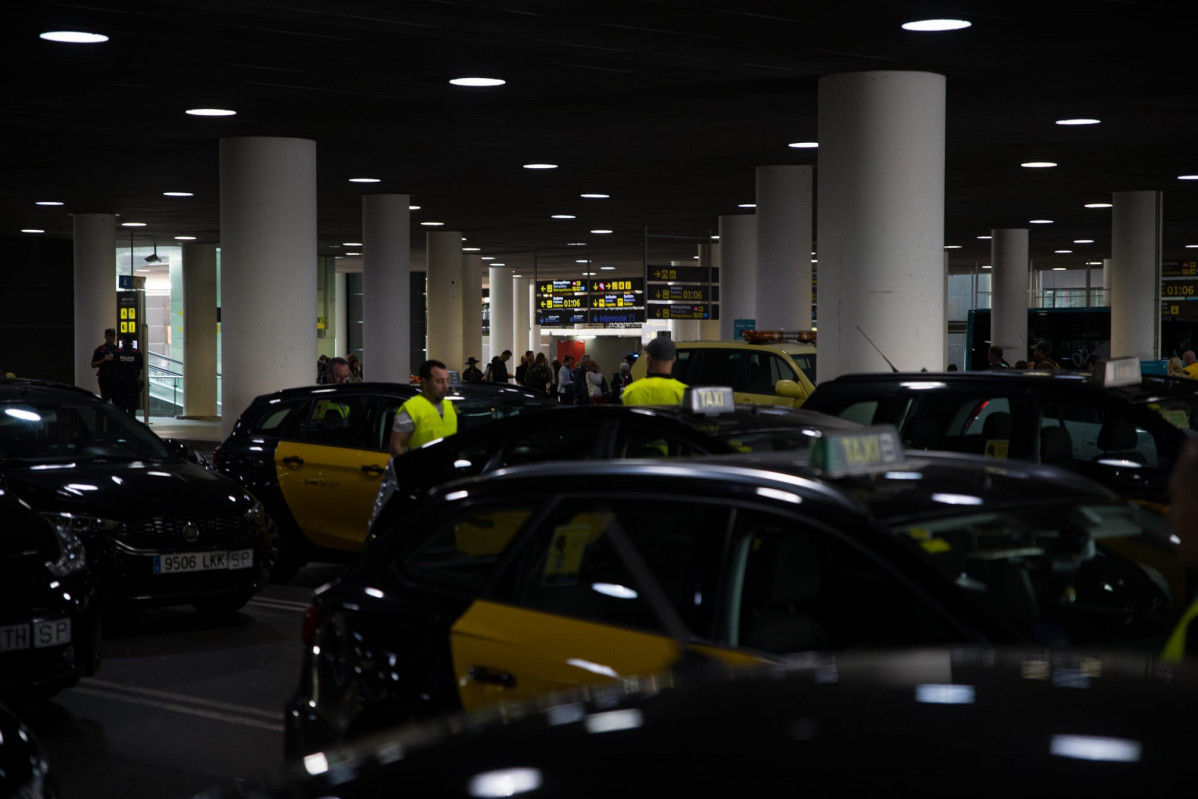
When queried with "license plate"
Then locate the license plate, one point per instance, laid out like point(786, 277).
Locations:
point(35, 635)
point(203, 561)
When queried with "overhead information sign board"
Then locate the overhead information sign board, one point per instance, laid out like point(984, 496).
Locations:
point(611, 303)
point(684, 274)
point(660, 310)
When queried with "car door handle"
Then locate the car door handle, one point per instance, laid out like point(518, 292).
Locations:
point(491, 676)
point(293, 460)
point(373, 468)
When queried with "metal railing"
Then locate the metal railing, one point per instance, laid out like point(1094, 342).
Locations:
point(164, 376)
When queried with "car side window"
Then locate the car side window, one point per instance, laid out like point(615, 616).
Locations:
point(461, 552)
point(271, 420)
point(1086, 433)
point(554, 443)
point(333, 422)
point(572, 566)
point(798, 587)
point(960, 423)
point(639, 438)
point(720, 367)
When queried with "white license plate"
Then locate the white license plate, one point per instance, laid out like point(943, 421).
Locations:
point(203, 561)
point(35, 635)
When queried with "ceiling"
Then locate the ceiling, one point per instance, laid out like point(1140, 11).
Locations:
point(667, 107)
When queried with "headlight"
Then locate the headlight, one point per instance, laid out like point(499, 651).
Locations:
point(72, 557)
point(256, 514)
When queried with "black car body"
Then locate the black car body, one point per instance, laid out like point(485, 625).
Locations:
point(49, 616)
point(540, 577)
point(965, 721)
point(1126, 438)
point(600, 432)
point(158, 528)
point(24, 766)
point(315, 455)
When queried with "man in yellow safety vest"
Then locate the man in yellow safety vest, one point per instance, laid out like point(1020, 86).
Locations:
point(428, 416)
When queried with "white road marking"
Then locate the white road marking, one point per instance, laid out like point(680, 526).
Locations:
point(279, 604)
point(181, 703)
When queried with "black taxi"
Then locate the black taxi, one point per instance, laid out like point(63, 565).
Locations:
point(535, 578)
point(707, 422)
point(315, 455)
point(157, 527)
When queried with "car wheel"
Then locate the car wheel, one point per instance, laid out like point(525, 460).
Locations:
point(223, 604)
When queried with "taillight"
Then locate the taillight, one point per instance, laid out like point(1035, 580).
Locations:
point(311, 622)
point(216, 457)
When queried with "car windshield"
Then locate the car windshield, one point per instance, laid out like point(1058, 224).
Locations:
point(793, 439)
point(46, 431)
point(1061, 574)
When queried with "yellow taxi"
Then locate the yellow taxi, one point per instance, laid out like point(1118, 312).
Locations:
point(767, 368)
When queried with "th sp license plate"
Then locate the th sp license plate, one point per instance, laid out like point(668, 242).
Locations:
point(203, 561)
point(35, 635)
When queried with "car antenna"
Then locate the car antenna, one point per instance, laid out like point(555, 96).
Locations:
point(893, 368)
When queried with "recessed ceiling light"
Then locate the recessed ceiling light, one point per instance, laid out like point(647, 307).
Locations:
point(601, 231)
point(432, 224)
point(589, 274)
point(952, 246)
point(211, 112)
point(353, 253)
point(985, 266)
point(48, 202)
point(934, 25)
point(1093, 263)
point(1038, 164)
point(563, 216)
point(804, 145)
point(488, 257)
point(73, 37)
point(1039, 221)
point(413, 207)
point(1192, 246)
point(1079, 121)
point(177, 194)
point(576, 244)
point(540, 166)
point(498, 264)
point(472, 249)
point(365, 180)
point(1187, 177)
point(746, 205)
point(133, 224)
point(1099, 205)
point(1058, 269)
point(607, 268)
point(1063, 252)
point(582, 260)
point(477, 82)
point(185, 238)
point(1083, 241)
point(985, 238)
point(595, 196)
point(31, 230)
point(715, 238)
point(351, 244)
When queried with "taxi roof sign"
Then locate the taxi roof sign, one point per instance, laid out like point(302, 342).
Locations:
point(1119, 372)
point(709, 400)
point(839, 453)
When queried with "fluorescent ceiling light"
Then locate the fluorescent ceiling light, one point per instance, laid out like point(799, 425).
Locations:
point(488, 257)
point(952, 246)
point(985, 266)
point(1058, 269)
point(210, 112)
point(540, 166)
point(1099, 205)
point(1038, 164)
point(133, 224)
point(746, 205)
point(472, 249)
point(365, 180)
point(48, 202)
point(73, 37)
point(1187, 177)
point(498, 264)
point(1063, 252)
point(353, 253)
point(607, 268)
point(576, 244)
point(185, 238)
point(1080, 121)
point(413, 207)
point(477, 82)
point(601, 231)
point(177, 194)
point(31, 230)
point(581, 261)
point(595, 196)
point(936, 25)
point(804, 145)
point(1039, 221)
point(563, 216)
point(351, 244)
point(1083, 241)
point(432, 224)
point(985, 238)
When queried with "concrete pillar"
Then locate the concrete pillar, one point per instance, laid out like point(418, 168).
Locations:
point(881, 222)
point(472, 308)
point(95, 290)
point(1136, 274)
point(386, 289)
point(340, 321)
point(738, 271)
point(199, 331)
point(784, 220)
point(1008, 287)
point(534, 338)
point(445, 264)
point(500, 278)
point(268, 267)
point(521, 318)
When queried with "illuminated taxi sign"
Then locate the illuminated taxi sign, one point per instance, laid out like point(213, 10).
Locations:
point(839, 453)
point(709, 399)
point(1119, 372)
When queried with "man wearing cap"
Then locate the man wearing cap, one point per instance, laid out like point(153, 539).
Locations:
point(428, 416)
point(472, 374)
point(104, 361)
point(657, 387)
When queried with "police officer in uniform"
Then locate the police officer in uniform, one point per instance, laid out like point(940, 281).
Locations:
point(127, 388)
point(427, 416)
point(104, 361)
point(657, 387)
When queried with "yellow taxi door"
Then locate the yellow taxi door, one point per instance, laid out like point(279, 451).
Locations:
point(330, 490)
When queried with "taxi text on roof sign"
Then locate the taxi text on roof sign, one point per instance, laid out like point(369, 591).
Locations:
point(836, 453)
point(709, 399)
point(1119, 372)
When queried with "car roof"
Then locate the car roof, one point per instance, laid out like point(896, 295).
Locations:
point(785, 346)
point(465, 390)
point(922, 484)
point(744, 417)
point(32, 388)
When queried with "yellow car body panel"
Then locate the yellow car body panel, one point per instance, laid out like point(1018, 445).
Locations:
point(330, 491)
point(502, 652)
point(790, 393)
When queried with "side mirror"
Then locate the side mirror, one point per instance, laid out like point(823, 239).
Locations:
point(789, 388)
point(183, 450)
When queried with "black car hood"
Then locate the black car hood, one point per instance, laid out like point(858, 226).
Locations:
point(126, 490)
